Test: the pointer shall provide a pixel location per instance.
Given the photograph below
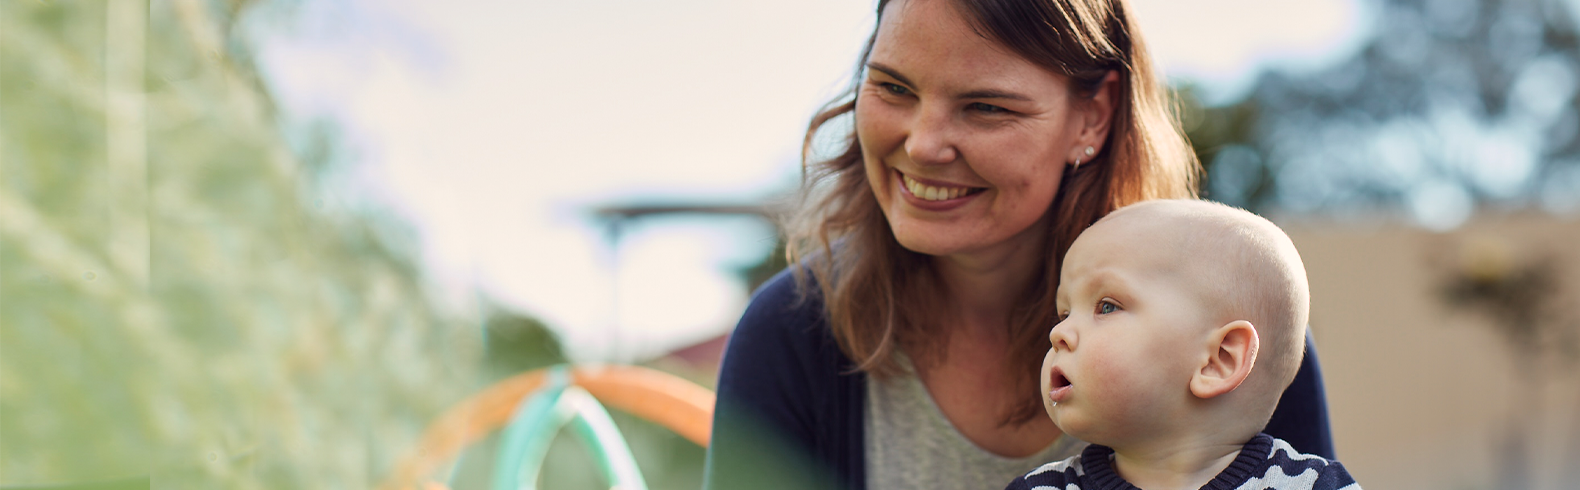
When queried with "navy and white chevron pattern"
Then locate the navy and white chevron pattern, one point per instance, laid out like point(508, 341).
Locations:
point(1264, 463)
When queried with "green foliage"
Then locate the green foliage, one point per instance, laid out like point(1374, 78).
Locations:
point(174, 302)
point(756, 274)
point(181, 301)
point(517, 343)
point(1449, 103)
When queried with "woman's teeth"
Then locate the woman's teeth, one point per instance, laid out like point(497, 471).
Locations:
point(934, 193)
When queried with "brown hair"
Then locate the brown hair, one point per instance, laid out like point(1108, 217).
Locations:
point(879, 295)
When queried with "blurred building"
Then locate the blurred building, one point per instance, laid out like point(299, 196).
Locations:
point(1429, 388)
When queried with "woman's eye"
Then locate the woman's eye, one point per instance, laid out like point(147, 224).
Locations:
point(895, 89)
point(987, 108)
point(1106, 307)
point(1063, 315)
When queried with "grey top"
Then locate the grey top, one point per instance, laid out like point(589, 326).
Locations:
point(910, 444)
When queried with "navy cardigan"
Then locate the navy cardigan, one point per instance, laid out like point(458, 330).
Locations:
point(790, 405)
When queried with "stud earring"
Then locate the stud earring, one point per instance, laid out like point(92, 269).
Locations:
point(1089, 152)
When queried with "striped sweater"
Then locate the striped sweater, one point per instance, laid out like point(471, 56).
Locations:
point(1264, 463)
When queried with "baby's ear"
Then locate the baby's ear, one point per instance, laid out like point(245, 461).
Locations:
point(1232, 354)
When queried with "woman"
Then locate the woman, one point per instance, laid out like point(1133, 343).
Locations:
point(904, 351)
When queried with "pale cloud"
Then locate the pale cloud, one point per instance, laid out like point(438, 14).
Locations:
point(1224, 44)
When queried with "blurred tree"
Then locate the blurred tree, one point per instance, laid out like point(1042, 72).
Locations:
point(180, 295)
point(1449, 106)
point(755, 275)
point(516, 343)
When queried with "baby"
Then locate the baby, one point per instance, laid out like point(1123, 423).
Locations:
point(1181, 323)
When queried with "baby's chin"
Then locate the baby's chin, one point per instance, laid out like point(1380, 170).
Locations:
point(1071, 425)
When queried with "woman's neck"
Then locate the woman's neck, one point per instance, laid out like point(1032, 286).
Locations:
point(981, 288)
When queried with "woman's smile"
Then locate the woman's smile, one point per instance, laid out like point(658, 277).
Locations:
point(934, 195)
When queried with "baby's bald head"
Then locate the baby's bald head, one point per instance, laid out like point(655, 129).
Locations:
point(1241, 266)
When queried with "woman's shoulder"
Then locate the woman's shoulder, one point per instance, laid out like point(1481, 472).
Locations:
point(783, 371)
point(783, 349)
point(785, 321)
point(786, 297)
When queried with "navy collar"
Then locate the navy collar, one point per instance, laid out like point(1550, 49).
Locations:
point(1098, 463)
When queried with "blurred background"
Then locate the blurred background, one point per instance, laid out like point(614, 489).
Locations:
point(263, 243)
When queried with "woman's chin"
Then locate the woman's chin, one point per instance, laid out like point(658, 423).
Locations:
point(943, 239)
point(929, 243)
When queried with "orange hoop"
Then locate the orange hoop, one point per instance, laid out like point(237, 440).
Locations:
point(664, 399)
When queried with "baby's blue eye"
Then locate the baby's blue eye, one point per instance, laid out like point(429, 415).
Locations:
point(1106, 308)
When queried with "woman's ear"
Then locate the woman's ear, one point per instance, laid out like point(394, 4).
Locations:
point(1232, 355)
point(1098, 114)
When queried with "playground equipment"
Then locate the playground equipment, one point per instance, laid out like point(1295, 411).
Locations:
point(533, 407)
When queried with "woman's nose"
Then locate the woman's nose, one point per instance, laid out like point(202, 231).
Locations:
point(931, 140)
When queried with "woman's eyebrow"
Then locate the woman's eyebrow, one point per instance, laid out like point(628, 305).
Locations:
point(890, 72)
point(994, 94)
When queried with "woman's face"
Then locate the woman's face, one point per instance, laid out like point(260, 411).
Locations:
point(964, 141)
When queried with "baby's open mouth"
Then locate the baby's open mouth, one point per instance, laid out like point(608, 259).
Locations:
point(1058, 386)
point(1057, 380)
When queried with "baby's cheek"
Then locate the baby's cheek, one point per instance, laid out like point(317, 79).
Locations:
point(1115, 385)
point(1103, 411)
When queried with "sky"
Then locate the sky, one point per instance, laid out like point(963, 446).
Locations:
point(494, 128)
